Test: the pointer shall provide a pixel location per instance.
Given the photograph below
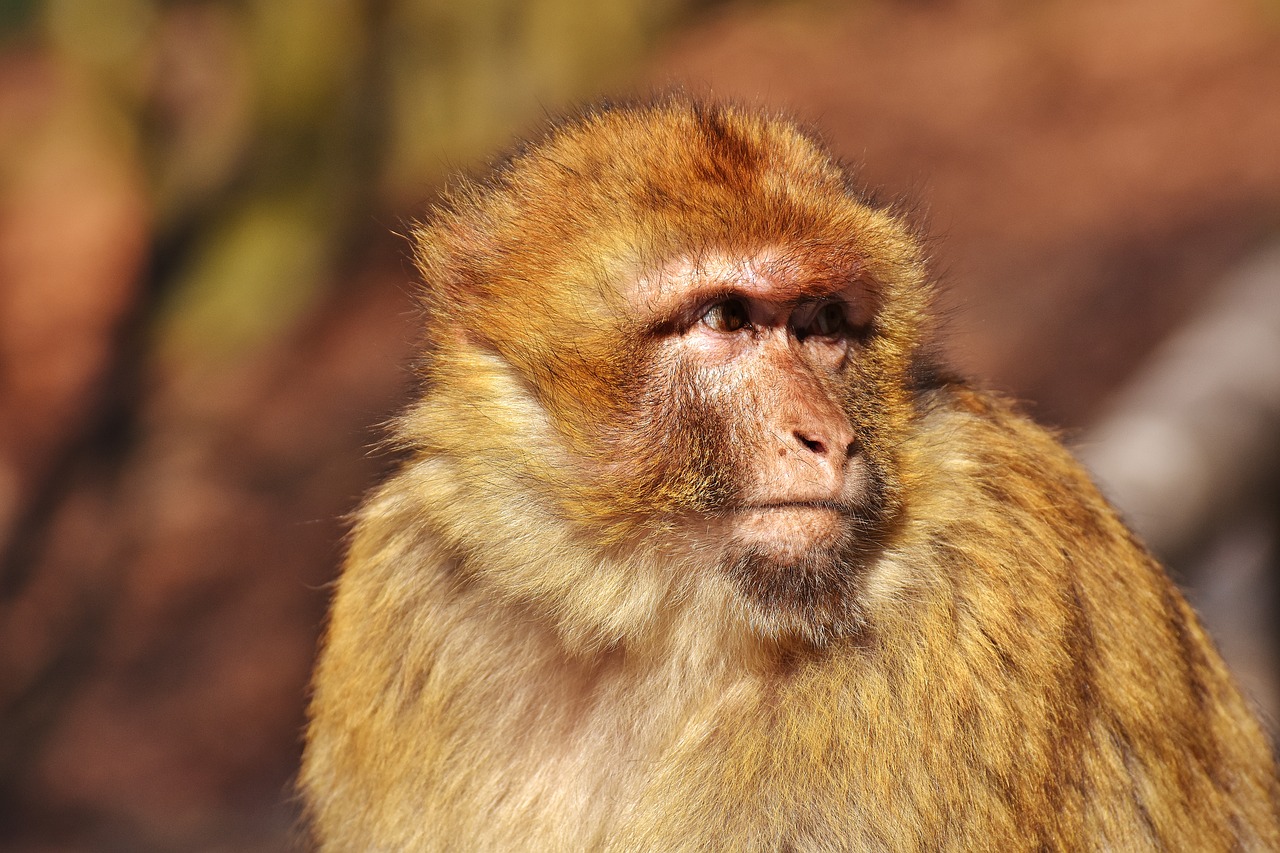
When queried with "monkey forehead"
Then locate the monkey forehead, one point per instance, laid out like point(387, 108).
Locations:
point(769, 275)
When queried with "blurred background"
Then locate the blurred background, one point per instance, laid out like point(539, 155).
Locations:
point(205, 314)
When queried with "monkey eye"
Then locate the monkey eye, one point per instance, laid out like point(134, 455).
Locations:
point(827, 322)
point(727, 315)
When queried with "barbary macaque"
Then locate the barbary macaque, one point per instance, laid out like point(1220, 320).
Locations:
point(697, 547)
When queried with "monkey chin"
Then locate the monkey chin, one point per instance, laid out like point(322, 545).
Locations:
point(797, 569)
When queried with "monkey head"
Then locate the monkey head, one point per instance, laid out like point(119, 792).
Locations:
point(678, 325)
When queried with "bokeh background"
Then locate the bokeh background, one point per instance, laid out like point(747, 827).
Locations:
point(206, 314)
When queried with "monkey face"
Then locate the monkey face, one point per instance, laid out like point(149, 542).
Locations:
point(684, 334)
point(746, 415)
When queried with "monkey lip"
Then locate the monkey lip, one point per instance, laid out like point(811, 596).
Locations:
point(777, 516)
point(787, 530)
point(823, 506)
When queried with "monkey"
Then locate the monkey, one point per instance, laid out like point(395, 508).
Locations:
point(698, 544)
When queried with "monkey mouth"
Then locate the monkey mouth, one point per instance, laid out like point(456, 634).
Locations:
point(799, 510)
point(765, 506)
point(790, 527)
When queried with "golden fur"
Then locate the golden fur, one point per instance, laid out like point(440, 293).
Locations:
point(531, 648)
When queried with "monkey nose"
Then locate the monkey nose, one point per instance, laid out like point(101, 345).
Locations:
point(834, 449)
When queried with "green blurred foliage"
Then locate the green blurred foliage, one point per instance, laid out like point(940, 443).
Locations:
point(15, 16)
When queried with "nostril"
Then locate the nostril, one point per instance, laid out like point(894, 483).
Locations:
point(812, 444)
